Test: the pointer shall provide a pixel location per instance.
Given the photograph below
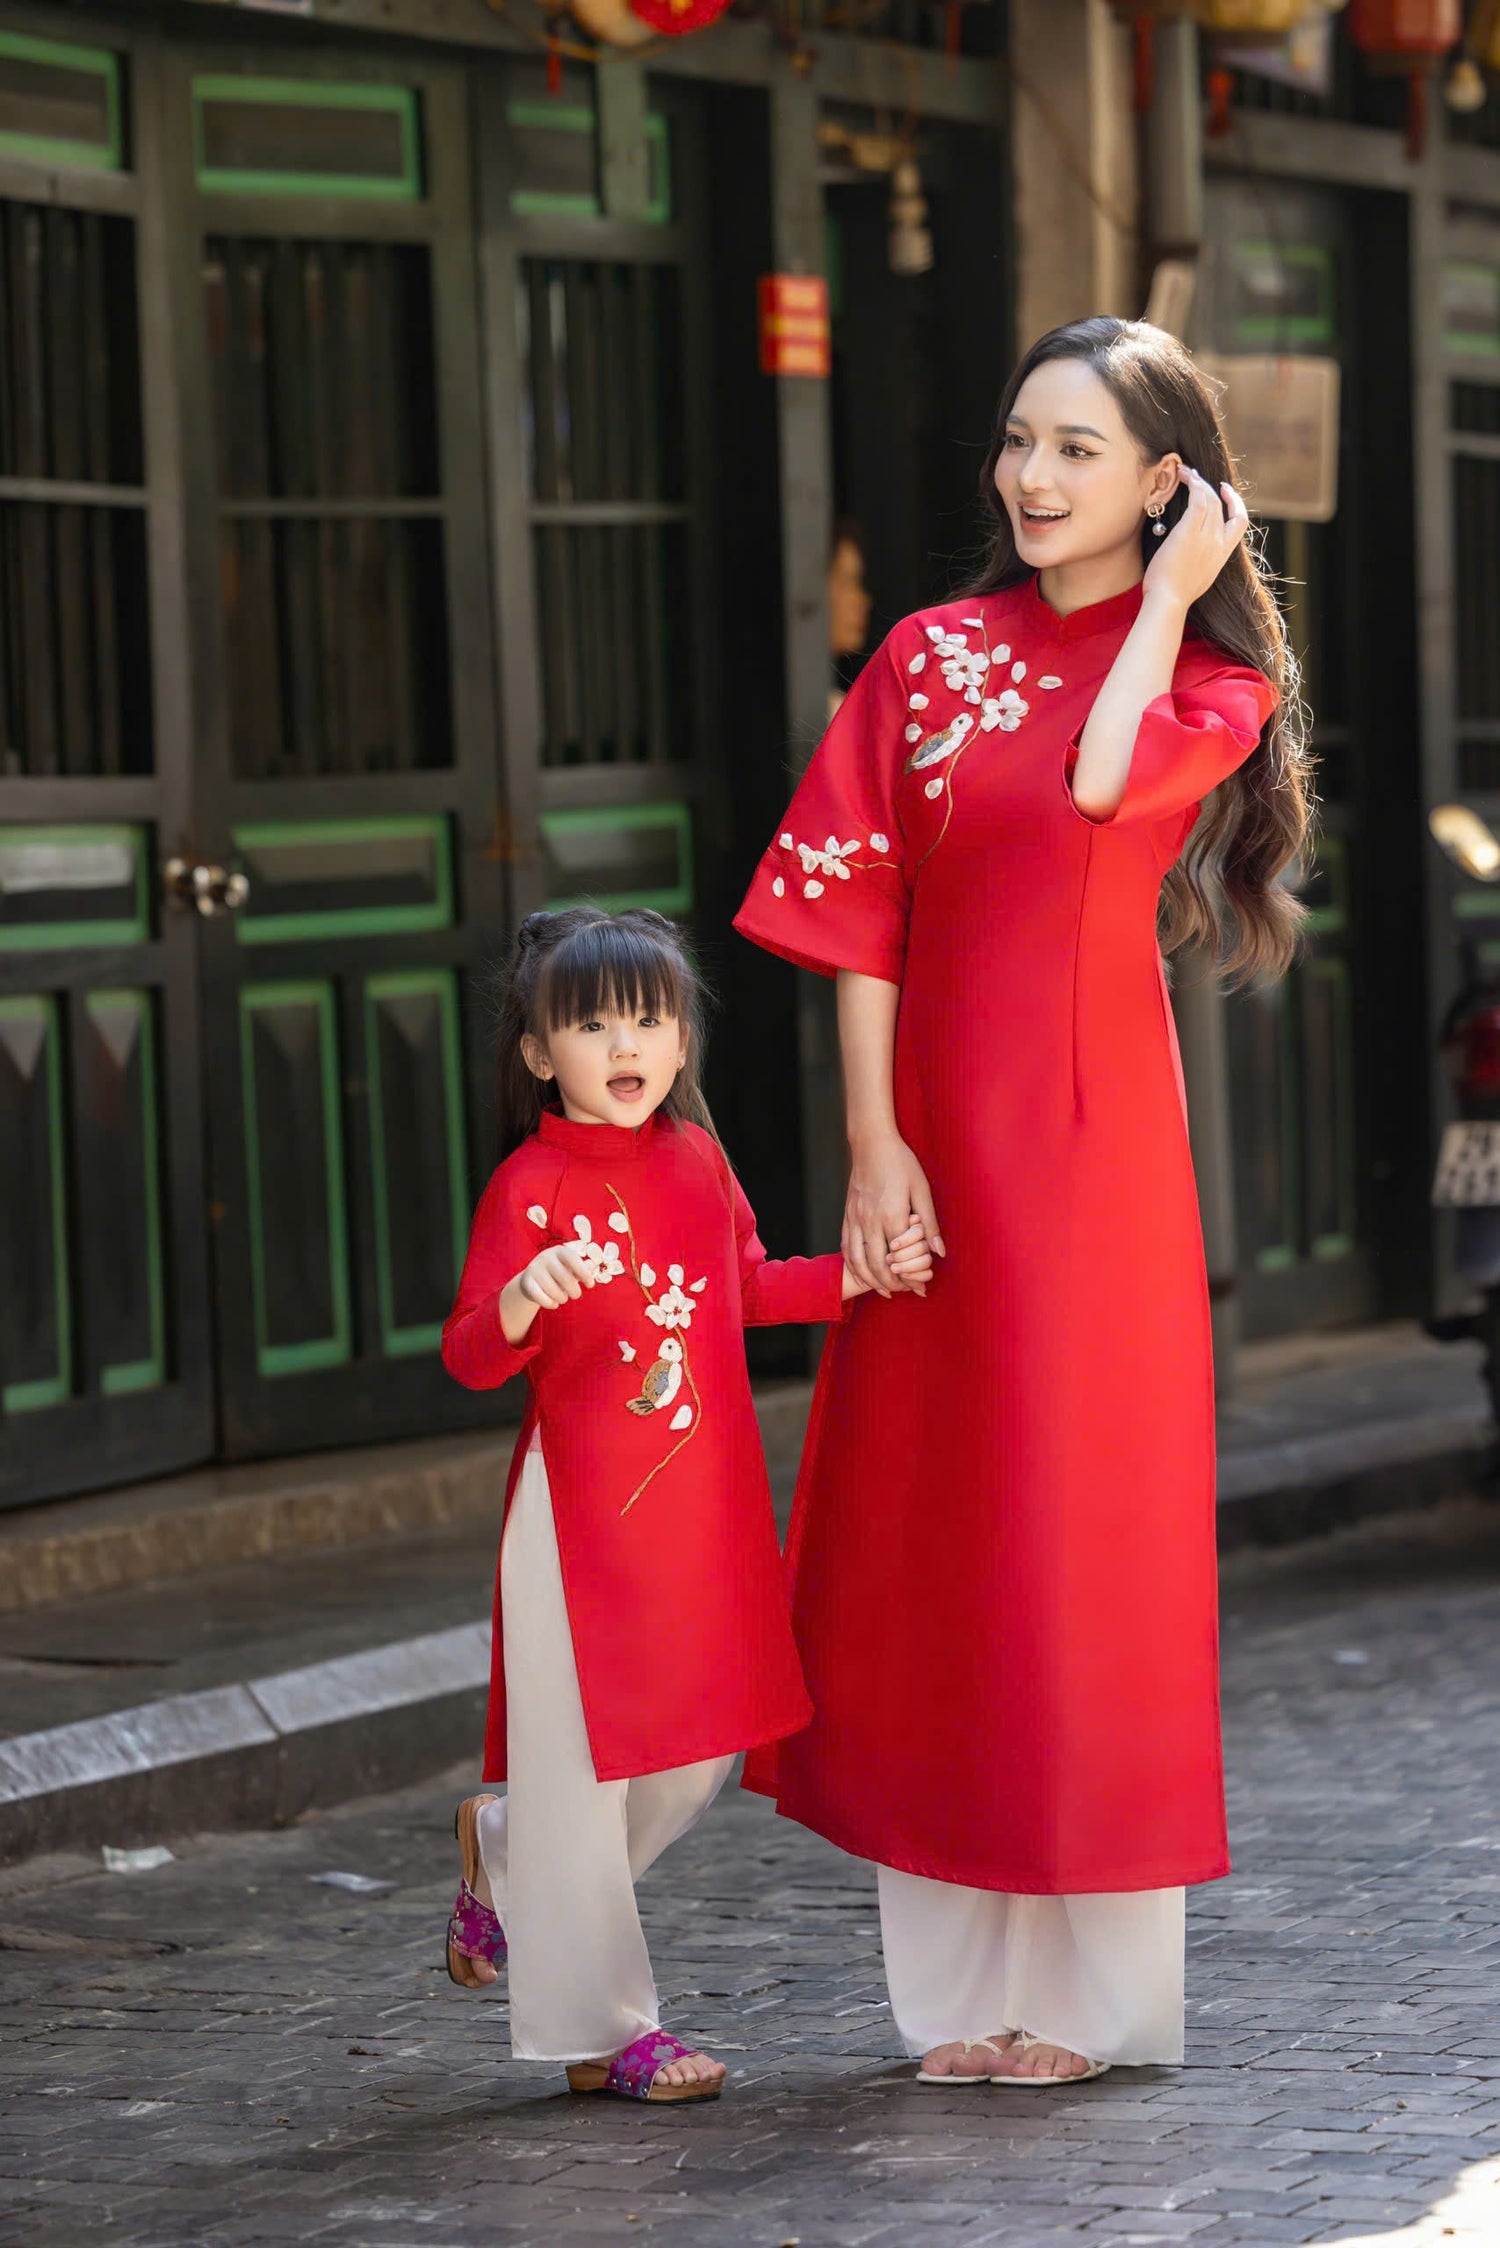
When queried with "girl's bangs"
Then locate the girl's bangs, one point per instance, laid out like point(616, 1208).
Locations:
point(605, 968)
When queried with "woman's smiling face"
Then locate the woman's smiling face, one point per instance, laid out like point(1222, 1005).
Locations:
point(1070, 474)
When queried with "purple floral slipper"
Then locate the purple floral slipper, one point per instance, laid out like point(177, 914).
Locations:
point(474, 1932)
point(632, 2075)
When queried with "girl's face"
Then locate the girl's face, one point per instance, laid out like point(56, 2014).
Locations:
point(611, 1068)
point(1070, 474)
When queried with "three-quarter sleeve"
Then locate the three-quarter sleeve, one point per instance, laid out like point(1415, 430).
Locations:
point(783, 1291)
point(1189, 740)
point(831, 891)
point(504, 1238)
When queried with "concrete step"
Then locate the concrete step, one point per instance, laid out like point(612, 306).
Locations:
point(238, 1647)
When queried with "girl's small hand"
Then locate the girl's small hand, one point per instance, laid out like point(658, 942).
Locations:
point(556, 1276)
point(910, 1260)
point(1199, 544)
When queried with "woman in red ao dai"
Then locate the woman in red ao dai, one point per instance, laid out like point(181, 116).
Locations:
point(641, 1633)
point(1002, 1552)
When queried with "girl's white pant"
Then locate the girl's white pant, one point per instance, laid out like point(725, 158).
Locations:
point(563, 1850)
point(1102, 1975)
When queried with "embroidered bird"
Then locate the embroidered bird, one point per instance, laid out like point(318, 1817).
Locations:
point(663, 1380)
point(941, 745)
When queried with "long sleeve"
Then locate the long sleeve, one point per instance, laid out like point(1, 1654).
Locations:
point(1190, 740)
point(783, 1291)
point(831, 891)
point(503, 1239)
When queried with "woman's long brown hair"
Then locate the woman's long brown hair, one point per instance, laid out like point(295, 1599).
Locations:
point(566, 967)
point(1224, 891)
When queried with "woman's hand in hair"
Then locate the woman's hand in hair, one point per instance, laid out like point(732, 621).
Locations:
point(553, 1278)
point(1199, 543)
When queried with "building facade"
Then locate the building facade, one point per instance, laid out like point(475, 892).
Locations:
point(398, 532)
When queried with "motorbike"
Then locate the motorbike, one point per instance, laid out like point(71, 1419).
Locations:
point(1467, 1178)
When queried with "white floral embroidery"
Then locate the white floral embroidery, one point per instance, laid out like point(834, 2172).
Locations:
point(935, 787)
point(965, 673)
point(682, 1418)
point(976, 622)
point(1018, 672)
point(918, 661)
point(1050, 679)
point(537, 1215)
point(914, 732)
point(881, 843)
point(648, 1277)
point(778, 888)
point(698, 1286)
point(830, 860)
point(917, 702)
point(672, 1308)
point(950, 644)
point(934, 632)
point(627, 1351)
point(812, 889)
point(787, 844)
point(1005, 710)
point(602, 1257)
point(1000, 654)
point(618, 1222)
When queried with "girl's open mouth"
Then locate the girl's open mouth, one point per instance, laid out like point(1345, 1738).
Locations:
point(1038, 518)
point(627, 1088)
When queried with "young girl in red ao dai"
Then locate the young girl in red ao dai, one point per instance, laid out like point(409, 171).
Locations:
point(641, 1636)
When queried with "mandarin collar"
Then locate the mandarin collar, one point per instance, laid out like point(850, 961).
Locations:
point(1116, 614)
point(612, 1143)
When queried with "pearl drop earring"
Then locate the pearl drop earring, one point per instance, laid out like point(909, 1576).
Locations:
point(1158, 528)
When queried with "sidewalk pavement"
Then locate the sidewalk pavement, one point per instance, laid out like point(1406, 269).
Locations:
point(224, 2053)
point(235, 1647)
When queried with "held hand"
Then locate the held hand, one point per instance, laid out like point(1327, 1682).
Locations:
point(909, 1264)
point(1199, 544)
point(556, 1276)
point(888, 1194)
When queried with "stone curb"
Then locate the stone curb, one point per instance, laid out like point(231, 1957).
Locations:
point(254, 1754)
point(74, 1548)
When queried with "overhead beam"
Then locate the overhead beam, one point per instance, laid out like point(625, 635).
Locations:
point(875, 73)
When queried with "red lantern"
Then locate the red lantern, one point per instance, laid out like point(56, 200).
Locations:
point(673, 17)
point(1410, 36)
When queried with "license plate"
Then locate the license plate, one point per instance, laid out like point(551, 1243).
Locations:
point(1468, 1170)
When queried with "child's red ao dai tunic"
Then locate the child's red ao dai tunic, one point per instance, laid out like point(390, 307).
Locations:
point(1003, 1548)
point(639, 1389)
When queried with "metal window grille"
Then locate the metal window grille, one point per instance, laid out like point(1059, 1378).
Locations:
point(602, 345)
point(331, 537)
point(74, 685)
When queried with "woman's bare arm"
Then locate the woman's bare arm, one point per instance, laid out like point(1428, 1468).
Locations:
point(887, 1185)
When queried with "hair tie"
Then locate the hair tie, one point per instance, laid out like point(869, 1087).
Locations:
point(532, 930)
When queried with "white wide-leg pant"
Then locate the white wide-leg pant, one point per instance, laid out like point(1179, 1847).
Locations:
point(563, 1850)
point(1102, 1975)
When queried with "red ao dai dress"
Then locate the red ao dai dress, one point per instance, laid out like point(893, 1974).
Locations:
point(641, 1635)
point(1002, 1552)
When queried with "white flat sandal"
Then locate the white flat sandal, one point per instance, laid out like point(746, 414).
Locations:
point(1023, 2040)
point(970, 2045)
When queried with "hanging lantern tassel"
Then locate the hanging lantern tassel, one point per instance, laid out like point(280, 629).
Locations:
point(1220, 95)
point(1410, 36)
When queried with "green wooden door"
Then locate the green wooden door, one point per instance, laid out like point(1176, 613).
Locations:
point(105, 1370)
point(324, 282)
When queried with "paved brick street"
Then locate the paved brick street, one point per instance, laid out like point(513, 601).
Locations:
point(221, 2052)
